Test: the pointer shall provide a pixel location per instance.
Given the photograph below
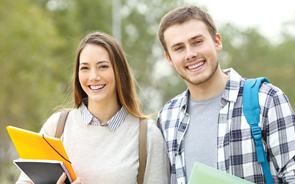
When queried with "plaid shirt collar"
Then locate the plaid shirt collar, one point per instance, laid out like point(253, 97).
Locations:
point(230, 93)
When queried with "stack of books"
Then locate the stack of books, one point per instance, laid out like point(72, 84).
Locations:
point(42, 158)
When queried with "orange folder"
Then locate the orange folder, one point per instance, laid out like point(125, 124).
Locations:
point(31, 145)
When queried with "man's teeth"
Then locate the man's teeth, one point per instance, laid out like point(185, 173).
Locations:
point(196, 65)
point(97, 87)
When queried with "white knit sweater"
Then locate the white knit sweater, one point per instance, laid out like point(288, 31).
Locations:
point(102, 156)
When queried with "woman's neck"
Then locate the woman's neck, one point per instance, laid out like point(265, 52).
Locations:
point(103, 111)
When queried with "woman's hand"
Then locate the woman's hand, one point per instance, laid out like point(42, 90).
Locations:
point(63, 177)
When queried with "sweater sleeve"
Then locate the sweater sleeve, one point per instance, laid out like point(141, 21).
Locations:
point(157, 163)
point(49, 129)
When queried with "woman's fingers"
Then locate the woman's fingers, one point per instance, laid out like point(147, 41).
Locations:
point(77, 181)
point(62, 179)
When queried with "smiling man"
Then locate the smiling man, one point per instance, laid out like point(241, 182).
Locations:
point(206, 122)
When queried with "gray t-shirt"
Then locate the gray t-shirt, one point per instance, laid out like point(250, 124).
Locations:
point(200, 141)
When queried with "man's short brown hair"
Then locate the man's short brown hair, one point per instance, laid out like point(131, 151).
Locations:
point(181, 15)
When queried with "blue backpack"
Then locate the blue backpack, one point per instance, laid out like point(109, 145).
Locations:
point(251, 110)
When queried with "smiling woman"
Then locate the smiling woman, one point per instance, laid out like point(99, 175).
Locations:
point(101, 135)
point(97, 79)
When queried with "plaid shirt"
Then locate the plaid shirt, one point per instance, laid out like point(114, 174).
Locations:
point(235, 147)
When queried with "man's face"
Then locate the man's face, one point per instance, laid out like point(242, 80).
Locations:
point(192, 51)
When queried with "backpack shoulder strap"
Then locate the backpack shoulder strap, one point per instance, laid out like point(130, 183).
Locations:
point(251, 107)
point(251, 110)
point(142, 150)
point(61, 123)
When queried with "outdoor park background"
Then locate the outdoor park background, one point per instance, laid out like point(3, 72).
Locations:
point(38, 40)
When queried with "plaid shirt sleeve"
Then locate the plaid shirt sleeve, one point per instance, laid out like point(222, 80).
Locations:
point(278, 122)
point(236, 147)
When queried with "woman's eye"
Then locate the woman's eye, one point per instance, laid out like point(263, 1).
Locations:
point(83, 68)
point(103, 66)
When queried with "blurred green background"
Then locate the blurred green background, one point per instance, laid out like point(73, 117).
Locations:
point(38, 41)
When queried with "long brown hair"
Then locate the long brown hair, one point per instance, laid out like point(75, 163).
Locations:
point(126, 91)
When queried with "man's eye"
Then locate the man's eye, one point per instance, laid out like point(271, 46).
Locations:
point(178, 48)
point(198, 42)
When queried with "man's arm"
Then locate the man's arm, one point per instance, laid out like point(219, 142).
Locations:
point(279, 128)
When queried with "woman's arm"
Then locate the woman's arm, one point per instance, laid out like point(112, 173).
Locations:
point(157, 163)
point(48, 129)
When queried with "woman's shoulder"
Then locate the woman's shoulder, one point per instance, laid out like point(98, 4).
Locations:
point(153, 132)
point(50, 125)
point(151, 126)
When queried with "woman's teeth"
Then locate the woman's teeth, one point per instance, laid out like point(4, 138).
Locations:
point(96, 87)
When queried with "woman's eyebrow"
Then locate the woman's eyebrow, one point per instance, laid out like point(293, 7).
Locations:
point(99, 62)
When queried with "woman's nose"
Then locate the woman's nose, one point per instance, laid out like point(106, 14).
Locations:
point(94, 76)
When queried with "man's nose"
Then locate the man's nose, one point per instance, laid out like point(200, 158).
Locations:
point(190, 54)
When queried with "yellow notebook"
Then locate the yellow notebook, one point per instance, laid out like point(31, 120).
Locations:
point(31, 145)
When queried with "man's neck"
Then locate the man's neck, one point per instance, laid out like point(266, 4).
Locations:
point(213, 87)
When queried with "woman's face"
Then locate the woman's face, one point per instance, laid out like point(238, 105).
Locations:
point(96, 75)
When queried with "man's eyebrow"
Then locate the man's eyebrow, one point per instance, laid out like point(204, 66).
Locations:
point(192, 38)
point(175, 45)
point(195, 37)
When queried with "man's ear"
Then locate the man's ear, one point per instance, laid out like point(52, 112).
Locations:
point(218, 42)
point(169, 59)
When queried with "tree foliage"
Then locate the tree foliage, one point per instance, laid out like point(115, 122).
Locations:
point(39, 40)
point(31, 77)
point(253, 55)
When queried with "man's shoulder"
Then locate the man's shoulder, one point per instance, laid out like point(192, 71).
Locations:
point(236, 82)
point(176, 102)
point(271, 96)
point(269, 89)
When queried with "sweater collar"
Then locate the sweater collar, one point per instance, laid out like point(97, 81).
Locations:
point(114, 123)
